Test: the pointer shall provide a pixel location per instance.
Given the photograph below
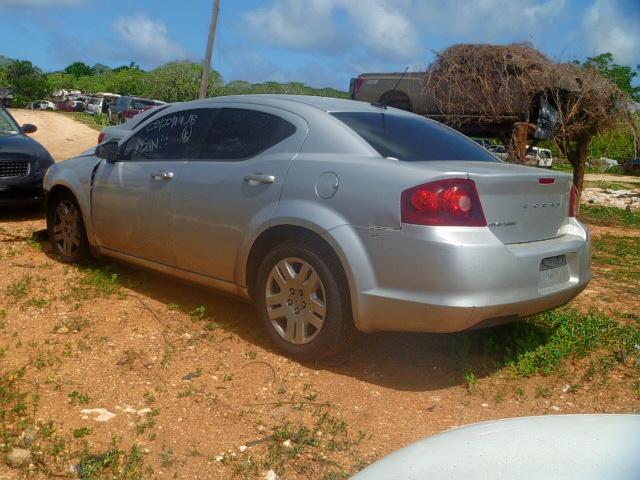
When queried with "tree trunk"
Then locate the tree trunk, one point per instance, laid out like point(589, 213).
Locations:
point(517, 150)
point(577, 156)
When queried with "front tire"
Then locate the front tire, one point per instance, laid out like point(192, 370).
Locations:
point(67, 234)
point(302, 300)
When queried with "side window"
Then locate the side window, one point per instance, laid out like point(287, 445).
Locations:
point(170, 137)
point(237, 134)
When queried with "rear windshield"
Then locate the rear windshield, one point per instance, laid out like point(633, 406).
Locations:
point(138, 104)
point(412, 138)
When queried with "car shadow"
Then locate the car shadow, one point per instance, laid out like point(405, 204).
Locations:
point(399, 361)
point(22, 213)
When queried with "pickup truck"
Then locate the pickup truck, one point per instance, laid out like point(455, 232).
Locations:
point(406, 91)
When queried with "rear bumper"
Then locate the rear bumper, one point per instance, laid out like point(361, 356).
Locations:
point(435, 279)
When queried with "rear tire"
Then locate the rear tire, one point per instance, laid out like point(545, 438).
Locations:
point(302, 299)
point(66, 230)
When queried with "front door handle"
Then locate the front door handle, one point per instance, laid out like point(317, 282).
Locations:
point(162, 175)
point(259, 178)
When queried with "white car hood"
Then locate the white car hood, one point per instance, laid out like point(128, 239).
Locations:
point(567, 447)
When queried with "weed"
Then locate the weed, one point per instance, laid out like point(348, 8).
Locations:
point(18, 289)
point(250, 355)
point(112, 464)
point(543, 392)
point(228, 377)
point(149, 398)
point(607, 363)
point(571, 334)
point(211, 326)
point(76, 397)
point(167, 356)
point(167, 458)
point(198, 313)
point(176, 307)
point(37, 303)
point(81, 432)
point(188, 392)
point(149, 422)
point(471, 380)
point(98, 282)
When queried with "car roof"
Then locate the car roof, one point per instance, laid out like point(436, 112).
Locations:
point(327, 104)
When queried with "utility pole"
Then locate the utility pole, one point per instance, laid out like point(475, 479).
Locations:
point(206, 65)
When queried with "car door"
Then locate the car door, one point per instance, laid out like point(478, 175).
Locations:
point(233, 186)
point(131, 198)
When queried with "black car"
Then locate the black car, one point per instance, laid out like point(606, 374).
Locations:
point(23, 163)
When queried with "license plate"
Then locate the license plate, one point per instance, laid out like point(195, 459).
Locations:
point(554, 271)
point(550, 263)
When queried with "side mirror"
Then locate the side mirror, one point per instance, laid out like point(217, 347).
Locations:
point(108, 151)
point(28, 128)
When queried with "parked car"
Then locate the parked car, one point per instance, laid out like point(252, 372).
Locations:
point(23, 163)
point(127, 107)
point(539, 157)
point(499, 151)
point(483, 142)
point(94, 105)
point(116, 132)
point(631, 166)
point(568, 447)
point(71, 106)
point(42, 105)
point(331, 215)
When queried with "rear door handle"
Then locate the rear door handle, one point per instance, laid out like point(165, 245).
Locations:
point(259, 178)
point(162, 175)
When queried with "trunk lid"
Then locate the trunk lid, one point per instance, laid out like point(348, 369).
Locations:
point(518, 207)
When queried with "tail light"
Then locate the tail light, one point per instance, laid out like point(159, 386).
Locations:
point(573, 201)
point(453, 202)
point(100, 137)
point(357, 83)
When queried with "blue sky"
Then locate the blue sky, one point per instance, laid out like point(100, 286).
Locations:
point(320, 42)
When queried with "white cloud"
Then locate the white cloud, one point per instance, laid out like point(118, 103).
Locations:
point(148, 40)
point(295, 25)
point(41, 3)
point(384, 28)
point(488, 19)
point(394, 28)
point(318, 25)
point(607, 29)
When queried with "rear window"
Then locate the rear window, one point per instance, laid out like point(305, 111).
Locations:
point(138, 104)
point(236, 134)
point(412, 138)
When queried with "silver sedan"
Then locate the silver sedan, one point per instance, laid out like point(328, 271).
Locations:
point(333, 216)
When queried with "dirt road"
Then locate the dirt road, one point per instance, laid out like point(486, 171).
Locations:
point(58, 132)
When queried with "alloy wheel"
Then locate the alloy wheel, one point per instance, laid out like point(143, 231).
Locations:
point(66, 228)
point(295, 300)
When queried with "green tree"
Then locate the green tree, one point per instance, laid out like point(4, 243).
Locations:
point(79, 69)
point(129, 81)
point(4, 77)
point(621, 75)
point(179, 82)
point(28, 82)
point(99, 69)
point(61, 80)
